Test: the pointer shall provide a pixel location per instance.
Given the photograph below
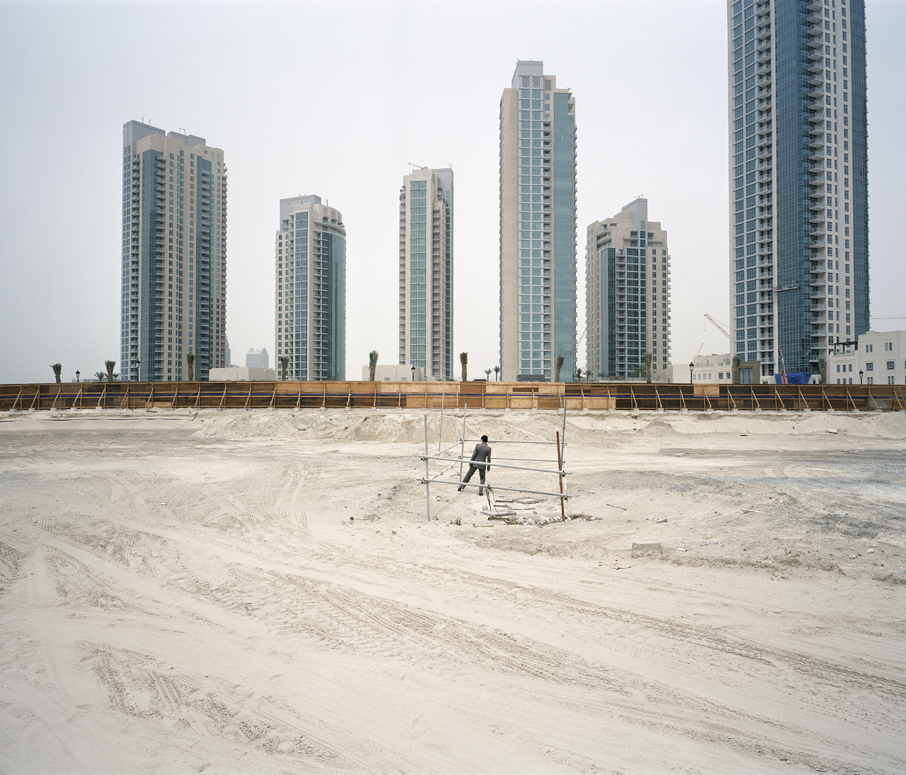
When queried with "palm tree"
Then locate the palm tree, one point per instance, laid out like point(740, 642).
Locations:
point(579, 373)
point(648, 367)
point(487, 374)
point(100, 376)
point(736, 361)
point(560, 360)
point(601, 376)
point(372, 364)
point(57, 368)
point(463, 362)
point(110, 367)
point(822, 370)
point(497, 373)
point(284, 362)
point(190, 365)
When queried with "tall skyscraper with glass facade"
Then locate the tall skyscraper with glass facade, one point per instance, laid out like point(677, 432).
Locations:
point(174, 255)
point(310, 290)
point(798, 179)
point(627, 295)
point(426, 272)
point(537, 226)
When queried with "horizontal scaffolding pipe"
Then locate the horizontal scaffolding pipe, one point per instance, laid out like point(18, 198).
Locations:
point(498, 465)
point(508, 441)
point(522, 459)
point(496, 488)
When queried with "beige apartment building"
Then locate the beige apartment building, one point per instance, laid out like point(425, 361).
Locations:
point(174, 251)
point(426, 272)
point(310, 290)
point(537, 226)
point(627, 296)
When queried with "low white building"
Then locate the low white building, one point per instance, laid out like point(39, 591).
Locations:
point(394, 373)
point(878, 358)
point(714, 369)
point(708, 369)
point(242, 374)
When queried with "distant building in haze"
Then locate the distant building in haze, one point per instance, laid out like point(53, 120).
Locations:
point(173, 298)
point(798, 180)
point(426, 272)
point(537, 226)
point(257, 359)
point(627, 296)
point(310, 289)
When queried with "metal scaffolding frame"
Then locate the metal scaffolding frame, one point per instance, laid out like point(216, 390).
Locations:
point(441, 456)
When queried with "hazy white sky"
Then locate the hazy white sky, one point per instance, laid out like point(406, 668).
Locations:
point(335, 99)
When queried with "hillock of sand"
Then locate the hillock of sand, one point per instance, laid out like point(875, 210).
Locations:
point(262, 592)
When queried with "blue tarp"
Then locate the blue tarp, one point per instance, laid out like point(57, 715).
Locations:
point(796, 378)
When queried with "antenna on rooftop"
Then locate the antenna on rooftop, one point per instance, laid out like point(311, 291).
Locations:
point(419, 166)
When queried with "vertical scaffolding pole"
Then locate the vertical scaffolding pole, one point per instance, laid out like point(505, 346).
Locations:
point(427, 472)
point(440, 434)
point(565, 400)
point(462, 439)
point(560, 476)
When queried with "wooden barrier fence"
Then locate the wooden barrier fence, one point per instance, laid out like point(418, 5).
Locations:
point(434, 395)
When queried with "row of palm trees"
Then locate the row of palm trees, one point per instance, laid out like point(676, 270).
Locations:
point(639, 371)
point(464, 367)
point(109, 375)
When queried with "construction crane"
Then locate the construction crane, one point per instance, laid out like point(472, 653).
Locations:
point(783, 379)
point(718, 325)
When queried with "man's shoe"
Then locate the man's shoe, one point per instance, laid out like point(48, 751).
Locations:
point(480, 491)
point(460, 488)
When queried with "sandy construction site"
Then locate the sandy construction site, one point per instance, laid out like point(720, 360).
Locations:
point(261, 592)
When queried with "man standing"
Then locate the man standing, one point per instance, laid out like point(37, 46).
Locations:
point(481, 462)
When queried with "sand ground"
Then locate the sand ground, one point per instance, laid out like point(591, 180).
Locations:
point(261, 592)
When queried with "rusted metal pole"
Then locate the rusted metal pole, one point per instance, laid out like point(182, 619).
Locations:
point(560, 467)
point(440, 434)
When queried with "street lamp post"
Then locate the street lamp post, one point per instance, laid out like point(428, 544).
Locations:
point(138, 370)
point(413, 373)
point(860, 376)
point(691, 367)
point(77, 375)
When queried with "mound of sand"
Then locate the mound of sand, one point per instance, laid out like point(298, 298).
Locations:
point(262, 592)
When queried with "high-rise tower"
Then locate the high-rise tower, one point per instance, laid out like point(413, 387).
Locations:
point(310, 290)
point(174, 255)
point(798, 179)
point(426, 272)
point(627, 295)
point(537, 226)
